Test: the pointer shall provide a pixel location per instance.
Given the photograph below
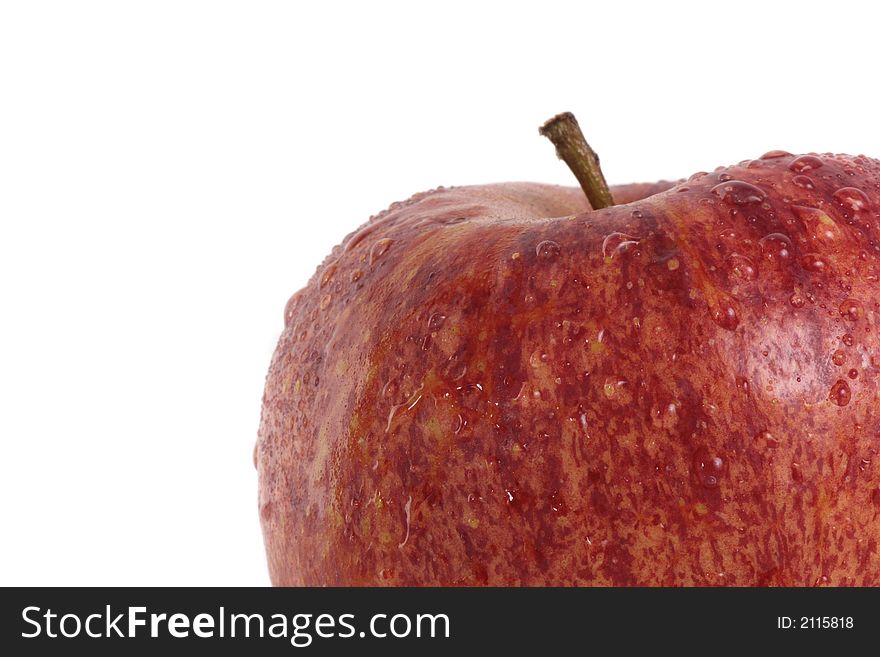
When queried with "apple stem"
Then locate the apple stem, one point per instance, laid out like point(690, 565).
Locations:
point(572, 148)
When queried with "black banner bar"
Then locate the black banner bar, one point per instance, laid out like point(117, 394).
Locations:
point(434, 621)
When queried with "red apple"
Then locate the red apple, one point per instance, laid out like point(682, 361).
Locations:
point(497, 385)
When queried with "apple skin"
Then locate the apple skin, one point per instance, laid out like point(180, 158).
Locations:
point(677, 390)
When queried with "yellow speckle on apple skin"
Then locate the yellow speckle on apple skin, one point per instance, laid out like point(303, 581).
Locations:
point(433, 427)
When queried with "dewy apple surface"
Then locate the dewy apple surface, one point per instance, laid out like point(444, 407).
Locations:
point(666, 391)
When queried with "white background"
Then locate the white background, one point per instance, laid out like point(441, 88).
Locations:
point(170, 172)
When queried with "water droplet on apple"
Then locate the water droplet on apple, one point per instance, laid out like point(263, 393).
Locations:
point(805, 163)
point(355, 238)
point(547, 250)
point(852, 198)
point(728, 235)
point(814, 262)
point(742, 267)
point(379, 248)
point(406, 509)
point(327, 276)
point(390, 389)
point(776, 247)
point(457, 424)
point(435, 321)
point(851, 310)
point(708, 468)
point(848, 340)
point(853, 373)
point(325, 301)
point(840, 393)
point(291, 307)
point(820, 227)
point(838, 357)
point(773, 155)
point(737, 192)
point(724, 177)
point(537, 358)
point(609, 389)
point(355, 276)
point(768, 439)
point(724, 314)
point(804, 182)
point(615, 243)
point(796, 300)
point(742, 384)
